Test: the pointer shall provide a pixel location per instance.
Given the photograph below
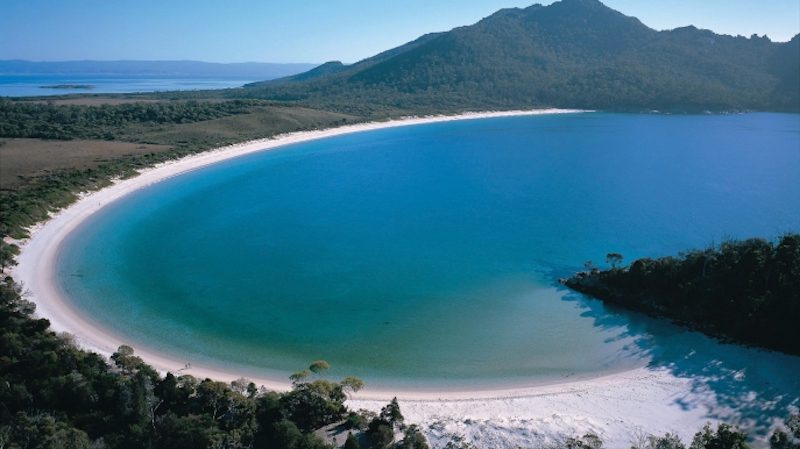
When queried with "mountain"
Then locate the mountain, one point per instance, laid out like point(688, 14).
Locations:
point(323, 70)
point(572, 53)
point(253, 70)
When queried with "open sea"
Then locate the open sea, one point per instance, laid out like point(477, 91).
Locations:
point(34, 85)
point(430, 255)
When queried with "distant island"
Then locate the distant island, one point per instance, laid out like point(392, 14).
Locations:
point(745, 291)
point(68, 86)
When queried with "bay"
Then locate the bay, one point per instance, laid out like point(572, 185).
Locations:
point(428, 256)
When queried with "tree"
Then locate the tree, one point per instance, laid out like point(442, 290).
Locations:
point(413, 439)
point(314, 404)
point(588, 441)
point(285, 434)
point(359, 420)
point(392, 415)
point(614, 259)
point(351, 442)
point(214, 398)
point(186, 432)
point(299, 376)
point(7, 254)
point(780, 439)
point(319, 367)
point(726, 437)
point(352, 384)
point(380, 433)
point(45, 432)
point(668, 441)
point(240, 385)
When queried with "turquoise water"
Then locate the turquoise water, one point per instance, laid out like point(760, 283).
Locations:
point(428, 255)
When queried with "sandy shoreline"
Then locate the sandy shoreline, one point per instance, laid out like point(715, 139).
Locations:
point(677, 392)
point(36, 263)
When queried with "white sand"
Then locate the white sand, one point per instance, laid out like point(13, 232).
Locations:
point(677, 393)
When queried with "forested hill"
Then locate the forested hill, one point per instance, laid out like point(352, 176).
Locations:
point(572, 53)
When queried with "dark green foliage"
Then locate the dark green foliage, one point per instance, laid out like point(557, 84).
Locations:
point(588, 441)
point(668, 441)
point(319, 367)
point(788, 438)
point(356, 420)
point(53, 395)
point(380, 433)
point(352, 384)
point(614, 259)
point(380, 430)
point(725, 437)
point(33, 201)
point(43, 431)
point(573, 53)
point(314, 404)
point(351, 442)
point(748, 291)
point(392, 415)
point(187, 432)
point(27, 119)
point(7, 255)
point(459, 442)
point(56, 396)
point(413, 439)
point(282, 433)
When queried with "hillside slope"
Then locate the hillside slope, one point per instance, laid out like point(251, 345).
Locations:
point(573, 53)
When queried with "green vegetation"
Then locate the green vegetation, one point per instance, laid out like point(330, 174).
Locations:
point(179, 128)
point(54, 395)
point(27, 119)
point(573, 53)
point(747, 291)
point(788, 438)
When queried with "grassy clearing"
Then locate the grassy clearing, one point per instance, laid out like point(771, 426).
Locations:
point(264, 122)
point(23, 159)
point(41, 176)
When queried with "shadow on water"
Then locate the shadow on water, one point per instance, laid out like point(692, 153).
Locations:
point(749, 387)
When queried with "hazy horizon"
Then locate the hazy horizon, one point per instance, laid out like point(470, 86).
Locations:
point(256, 32)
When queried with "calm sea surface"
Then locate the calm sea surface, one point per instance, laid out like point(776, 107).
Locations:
point(31, 85)
point(429, 255)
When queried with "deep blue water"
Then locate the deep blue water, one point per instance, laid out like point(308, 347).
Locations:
point(31, 85)
point(429, 255)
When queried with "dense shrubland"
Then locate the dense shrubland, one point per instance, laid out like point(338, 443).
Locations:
point(747, 291)
point(46, 121)
point(53, 395)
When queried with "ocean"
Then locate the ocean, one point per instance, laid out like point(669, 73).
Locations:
point(37, 85)
point(429, 256)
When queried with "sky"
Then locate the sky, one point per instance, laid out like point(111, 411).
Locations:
point(312, 31)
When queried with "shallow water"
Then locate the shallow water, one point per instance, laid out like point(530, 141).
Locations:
point(428, 256)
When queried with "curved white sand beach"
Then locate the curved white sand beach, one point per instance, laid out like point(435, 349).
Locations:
point(678, 392)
